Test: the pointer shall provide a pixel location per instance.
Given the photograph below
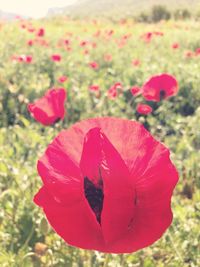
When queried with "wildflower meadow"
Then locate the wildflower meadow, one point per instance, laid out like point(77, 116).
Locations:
point(100, 142)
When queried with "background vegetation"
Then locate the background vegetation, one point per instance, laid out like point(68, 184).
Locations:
point(25, 237)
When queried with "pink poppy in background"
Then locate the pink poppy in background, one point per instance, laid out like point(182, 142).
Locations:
point(17, 58)
point(41, 32)
point(147, 37)
point(126, 36)
point(97, 33)
point(41, 42)
point(107, 185)
point(83, 43)
point(67, 42)
point(30, 42)
point(56, 58)
point(158, 33)
point(112, 92)
point(197, 51)
point(50, 108)
point(62, 79)
point(136, 62)
point(114, 89)
point(94, 45)
point(23, 58)
point(94, 87)
point(108, 57)
point(85, 51)
point(31, 29)
point(94, 65)
point(23, 26)
point(28, 59)
point(136, 90)
point(118, 85)
point(175, 45)
point(110, 33)
point(189, 54)
point(160, 87)
point(144, 109)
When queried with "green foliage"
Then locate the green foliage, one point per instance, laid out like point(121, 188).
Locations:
point(25, 237)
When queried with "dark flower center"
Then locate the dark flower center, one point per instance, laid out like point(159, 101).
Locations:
point(162, 94)
point(94, 196)
point(57, 120)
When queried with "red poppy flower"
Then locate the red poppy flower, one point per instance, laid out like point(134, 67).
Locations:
point(23, 26)
point(41, 32)
point(144, 109)
point(136, 90)
point(86, 52)
point(118, 85)
point(160, 87)
point(110, 33)
point(62, 79)
point(197, 51)
point(136, 62)
point(67, 42)
point(28, 59)
point(158, 33)
point(189, 54)
point(94, 65)
point(108, 57)
point(31, 29)
point(175, 45)
point(83, 43)
point(112, 92)
point(23, 58)
point(94, 87)
point(30, 42)
point(107, 185)
point(50, 108)
point(56, 58)
point(147, 37)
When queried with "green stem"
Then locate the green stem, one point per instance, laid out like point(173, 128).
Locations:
point(175, 248)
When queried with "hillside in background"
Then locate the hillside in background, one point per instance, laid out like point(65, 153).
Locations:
point(106, 7)
point(7, 15)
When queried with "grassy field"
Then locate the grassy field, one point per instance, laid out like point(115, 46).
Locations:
point(123, 55)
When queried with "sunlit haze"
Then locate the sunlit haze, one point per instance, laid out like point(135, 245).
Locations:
point(32, 8)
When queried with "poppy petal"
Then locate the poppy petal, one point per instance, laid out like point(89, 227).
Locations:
point(100, 160)
point(74, 223)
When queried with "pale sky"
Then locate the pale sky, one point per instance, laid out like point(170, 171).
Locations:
point(32, 8)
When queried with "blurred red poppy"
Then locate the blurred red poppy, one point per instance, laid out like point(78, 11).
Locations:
point(112, 92)
point(189, 54)
point(50, 108)
point(62, 79)
point(136, 90)
point(147, 37)
point(144, 109)
point(197, 51)
point(56, 58)
point(175, 45)
point(160, 87)
point(83, 43)
point(40, 32)
point(108, 57)
point(23, 58)
point(28, 59)
point(94, 87)
point(107, 185)
point(94, 65)
point(30, 42)
point(136, 62)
